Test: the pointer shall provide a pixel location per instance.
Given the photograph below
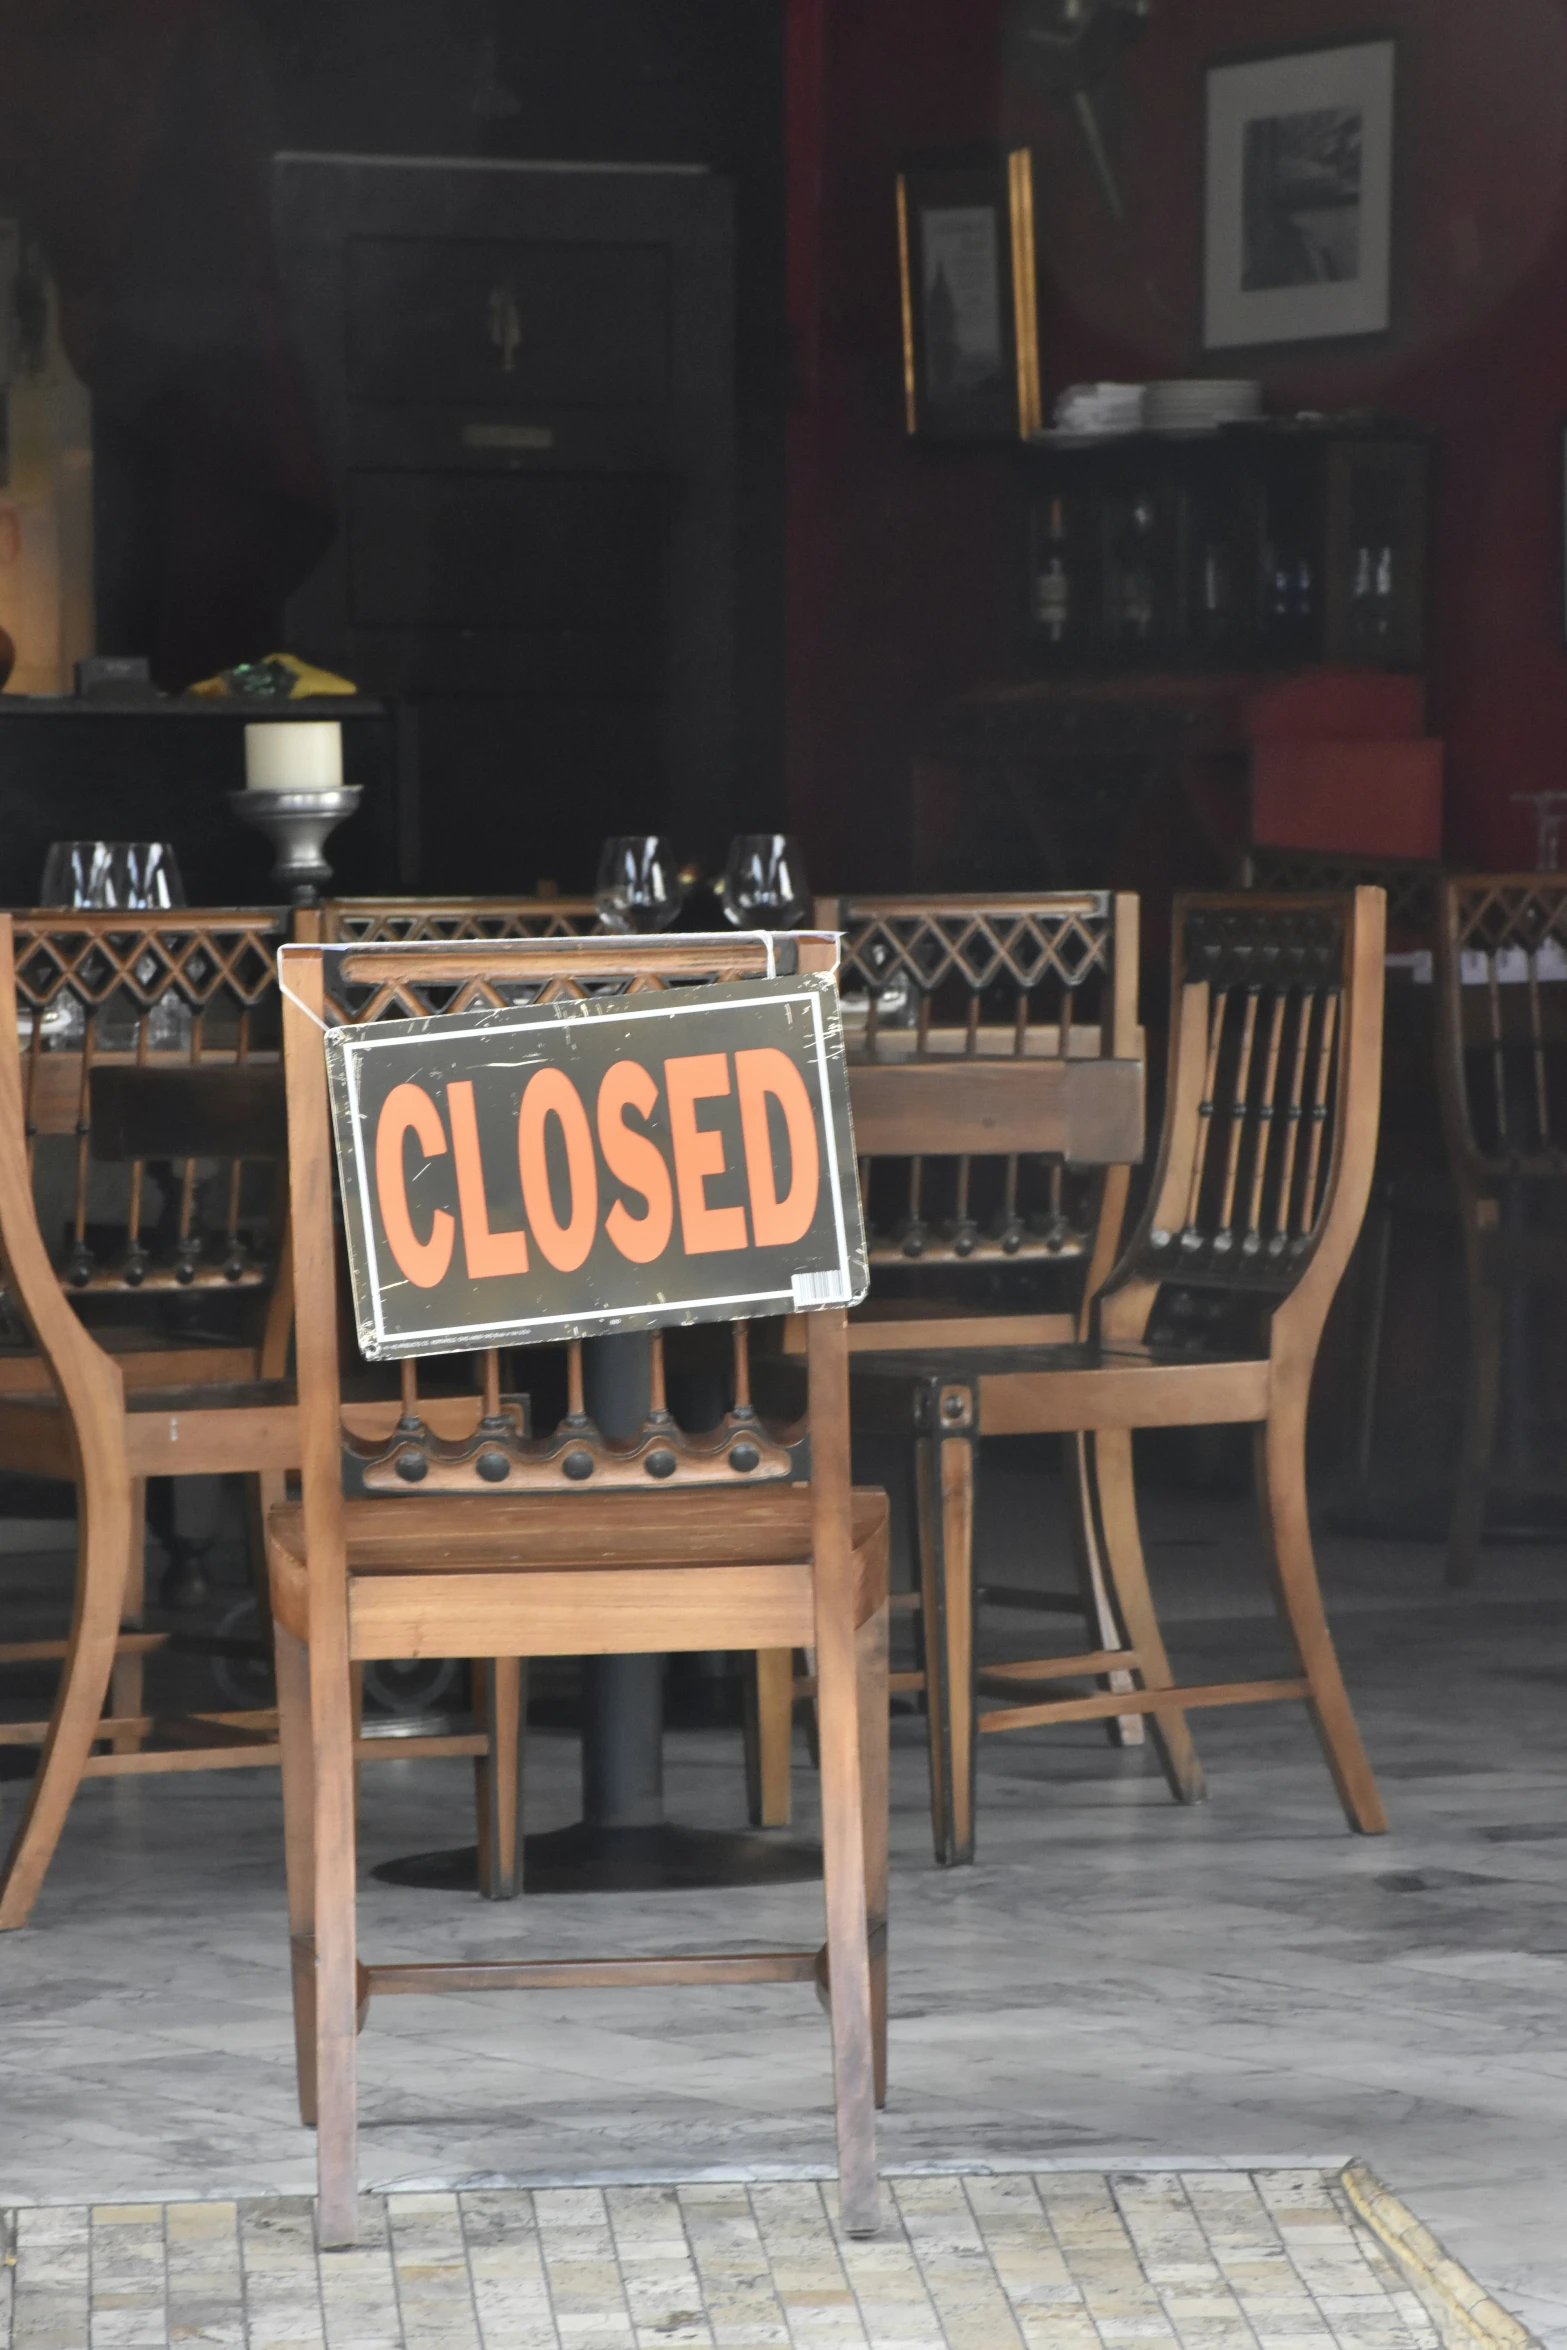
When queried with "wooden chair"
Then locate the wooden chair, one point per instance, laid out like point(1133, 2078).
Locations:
point(1014, 1019)
point(674, 1554)
point(147, 1307)
point(410, 921)
point(1502, 1069)
point(1413, 887)
point(1269, 1139)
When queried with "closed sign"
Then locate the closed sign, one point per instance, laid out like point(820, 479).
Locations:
point(562, 1170)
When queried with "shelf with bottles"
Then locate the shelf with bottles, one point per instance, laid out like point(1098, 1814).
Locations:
point(1261, 545)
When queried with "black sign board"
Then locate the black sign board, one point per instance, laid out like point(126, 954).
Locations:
point(621, 1163)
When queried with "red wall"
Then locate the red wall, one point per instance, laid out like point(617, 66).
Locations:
point(900, 586)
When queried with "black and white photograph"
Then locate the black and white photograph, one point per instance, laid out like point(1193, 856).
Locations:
point(964, 346)
point(1299, 196)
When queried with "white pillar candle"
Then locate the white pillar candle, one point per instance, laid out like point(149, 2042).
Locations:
point(298, 754)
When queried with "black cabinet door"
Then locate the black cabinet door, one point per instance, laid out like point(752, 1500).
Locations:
point(525, 380)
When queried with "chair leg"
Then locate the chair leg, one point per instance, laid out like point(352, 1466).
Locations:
point(1116, 1492)
point(336, 1970)
point(1281, 1482)
point(299, 1852)
point(811, 1712)
point(104, 1538)
point(945, 1469)
point(263, 1493)
point(844, 1870)
point(769, 1735)
point(1482, 1398)
point(498, 1777)
point(871, 1646)
point(356, 1700)
point(1122, 1729)
point(127, 1682)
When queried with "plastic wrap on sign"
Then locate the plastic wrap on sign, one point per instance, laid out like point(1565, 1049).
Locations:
point(624, 1162)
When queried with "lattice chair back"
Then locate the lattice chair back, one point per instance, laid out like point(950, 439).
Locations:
point(1271, 1113)
point(152, 1099)
point(1502, 980)
point(412, 920)
point(363, 985)
point(1413, 886)
point(1014, 990)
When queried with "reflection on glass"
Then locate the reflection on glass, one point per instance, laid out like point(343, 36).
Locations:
point(134, 874)
point(638, 886)
point(764, 882)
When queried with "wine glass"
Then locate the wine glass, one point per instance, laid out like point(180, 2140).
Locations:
point(138, 874)
point(114, 876)
point(764, 882)
point(638, 886)
point(1550, 814)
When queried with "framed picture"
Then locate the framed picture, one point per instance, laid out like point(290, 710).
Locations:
point(1298, 210)
point(970, 306)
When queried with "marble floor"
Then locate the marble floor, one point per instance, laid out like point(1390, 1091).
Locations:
point(1116, 1985)
point(1074, 2261)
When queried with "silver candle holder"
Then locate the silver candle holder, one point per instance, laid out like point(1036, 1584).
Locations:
point(297, 823)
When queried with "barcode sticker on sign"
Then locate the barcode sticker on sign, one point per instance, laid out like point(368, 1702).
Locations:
point(820, 1289)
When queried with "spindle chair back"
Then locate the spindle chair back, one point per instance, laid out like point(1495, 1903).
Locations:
point(1409, 1190)
point(1502, 1067)
point(562, 1543)
point(1265, 1163)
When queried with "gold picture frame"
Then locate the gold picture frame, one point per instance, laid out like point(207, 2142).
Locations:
point(969, 281)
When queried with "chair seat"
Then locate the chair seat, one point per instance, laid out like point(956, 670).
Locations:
point(573, 1574)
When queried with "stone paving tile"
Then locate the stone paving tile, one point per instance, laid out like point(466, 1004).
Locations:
point(1127, 2260)
point(52, 2282)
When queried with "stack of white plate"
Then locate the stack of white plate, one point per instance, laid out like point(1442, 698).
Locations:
point(1094, 410)
point(1193, 405)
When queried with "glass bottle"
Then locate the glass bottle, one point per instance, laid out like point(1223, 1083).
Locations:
point(1052, 579)
point(1129, 576)
point(1362, 599)
point(1383, 600)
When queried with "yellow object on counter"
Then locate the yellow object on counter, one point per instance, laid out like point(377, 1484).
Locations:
point(281, 677)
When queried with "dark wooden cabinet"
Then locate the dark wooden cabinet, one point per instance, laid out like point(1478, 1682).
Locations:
point(524, 375)
point(1269, 545)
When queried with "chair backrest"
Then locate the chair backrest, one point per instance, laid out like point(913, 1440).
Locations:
point(350, 986)
point(1270, 1124)
point(969, 1020)
point(415, 919)
point(144, 1050)
point(1413, 886)
point(1502, 1015)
